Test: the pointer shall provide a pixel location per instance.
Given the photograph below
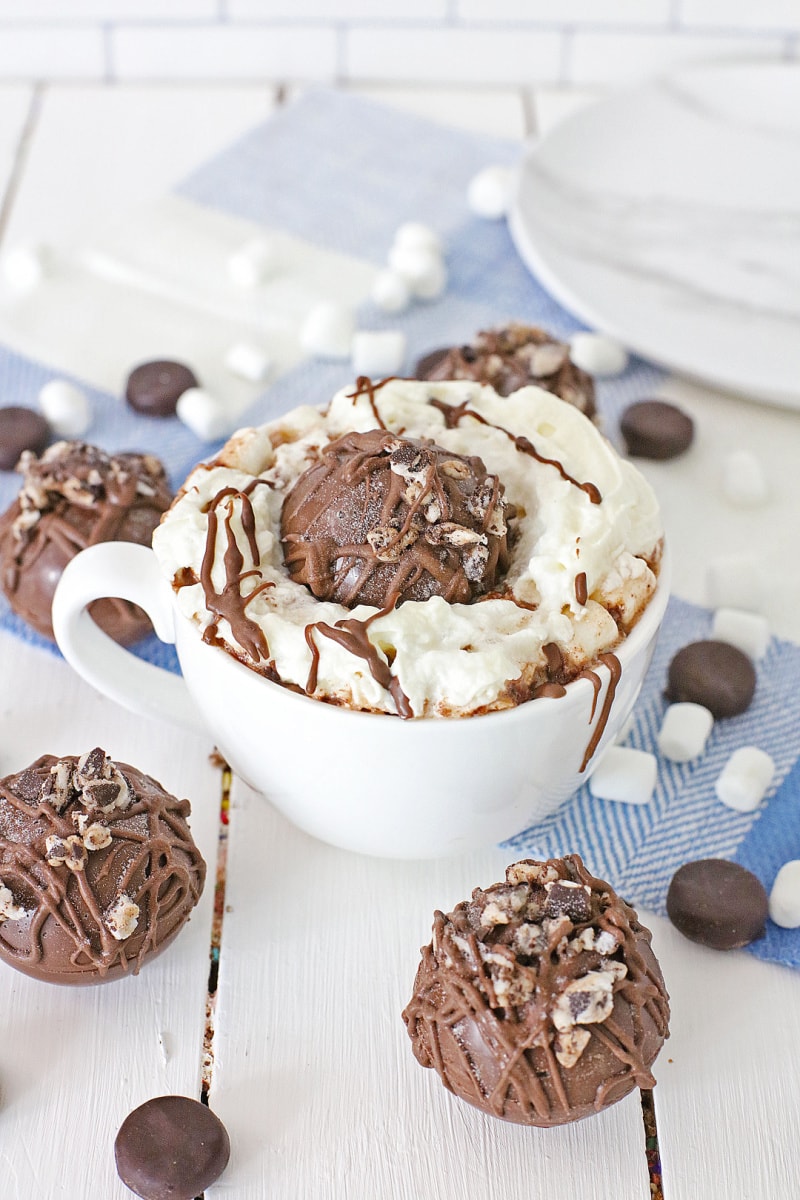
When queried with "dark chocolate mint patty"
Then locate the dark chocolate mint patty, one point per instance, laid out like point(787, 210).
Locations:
point(171, 1148)
point(154, 388)
point(21, 429)
point(715, 674)
point(717, 903)
point(655, 429)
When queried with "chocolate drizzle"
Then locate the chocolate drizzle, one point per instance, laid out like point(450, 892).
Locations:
point(145, 855)
point(454, 413)
point(615, 671)
point(366, 387)
point(230, 604)
point(352, 635)
point(540, 1000)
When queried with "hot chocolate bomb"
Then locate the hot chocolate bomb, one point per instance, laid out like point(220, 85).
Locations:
point(540, 1000)
point(72, 497)
point(98, 868)
point(511, 358)
point(382, 519)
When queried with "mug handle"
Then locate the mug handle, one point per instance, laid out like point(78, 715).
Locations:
point(130, 572)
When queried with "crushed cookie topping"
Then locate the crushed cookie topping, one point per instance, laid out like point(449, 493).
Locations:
point(122, 917)
point(95, 784)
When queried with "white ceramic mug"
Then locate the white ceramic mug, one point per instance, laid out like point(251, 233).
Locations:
point(366, 782)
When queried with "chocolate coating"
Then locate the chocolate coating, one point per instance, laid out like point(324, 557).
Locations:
point(154, 388)
point(21, 429)
point(655, 429)
point(381, 519)
point(715, 674)
point(540, 1000)
point(512, 358)
point(75, 496)
point(98, 869)
point(717, 903)
point(171, 1148)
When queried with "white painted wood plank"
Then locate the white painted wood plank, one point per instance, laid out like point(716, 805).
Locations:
point(99, 151)
point(727, 1097)
point(15, 101)
point(75, 1060)
point(704, 528)
point(314, 1074)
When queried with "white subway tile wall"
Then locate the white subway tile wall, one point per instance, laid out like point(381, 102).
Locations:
point(490, 42)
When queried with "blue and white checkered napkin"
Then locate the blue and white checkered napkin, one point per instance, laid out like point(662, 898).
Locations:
point(342, 173)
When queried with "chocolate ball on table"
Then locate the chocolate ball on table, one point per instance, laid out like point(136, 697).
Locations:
point(381, 519)
point(540, 1000)
point(512, 358)
point(72, 497)
point(98, 869)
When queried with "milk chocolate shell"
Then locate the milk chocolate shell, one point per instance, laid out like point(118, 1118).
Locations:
point(512, 358)
point(98, 869)
point(540, 1000)
point(382, 519)
point(72, 497)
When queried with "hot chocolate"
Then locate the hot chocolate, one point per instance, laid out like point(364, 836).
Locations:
point(423, 549)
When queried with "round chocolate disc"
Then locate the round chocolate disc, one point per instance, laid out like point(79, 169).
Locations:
point(171, 1148)
point(715, 674)
point(21, 429)
point(656, 429)
point(717, 903)
point(154, 388)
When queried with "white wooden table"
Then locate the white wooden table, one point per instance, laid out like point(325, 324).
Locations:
point(313, 1073)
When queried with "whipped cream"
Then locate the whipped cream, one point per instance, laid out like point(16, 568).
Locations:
point(581, 570)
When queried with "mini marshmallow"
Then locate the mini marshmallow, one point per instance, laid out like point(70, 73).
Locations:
point(784, 899)
point(743, 781)
point(413, 263)
point(24, 266)
point(597, 354)
point(378, 353)
point(743, 480)
point(252, 263)
point(390, 292)
point(625, 775)
point(749, 632)
point(684, 731)
point(328, 330)
point(203, 414)
point(433, 283)
point(489, 192)
point(735, 582)
point(66, 408)
point(248, 361)
point(415, 235)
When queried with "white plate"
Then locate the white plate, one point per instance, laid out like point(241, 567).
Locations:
point(669, 217)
